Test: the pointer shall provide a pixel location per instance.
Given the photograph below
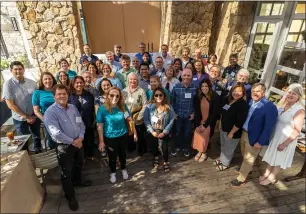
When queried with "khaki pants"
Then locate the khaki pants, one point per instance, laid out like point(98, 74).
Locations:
point(243, 140)
point(249, 157)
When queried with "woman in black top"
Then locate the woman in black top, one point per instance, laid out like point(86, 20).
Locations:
point(233, 115)
point(84, 101)
point(208, 108)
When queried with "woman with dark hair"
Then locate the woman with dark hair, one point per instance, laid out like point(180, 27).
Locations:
point(212, 60)
point(104, 85)
point(147, 59)
point(107, 73)
point(206, 113)
point(190, 66)
point(43, 98)
point(178, 68)
point(64, 66)
point(159, 118)
point(63, 78)
point(233, 115)
point(113, 131)
point(84, 102)
point(93, 70)
point(99, 65)
point(200, 73)
point(169, 80)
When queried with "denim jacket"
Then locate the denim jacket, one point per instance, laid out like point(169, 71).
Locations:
point(165, 120)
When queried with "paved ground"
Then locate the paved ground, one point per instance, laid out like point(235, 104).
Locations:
point(189, 188)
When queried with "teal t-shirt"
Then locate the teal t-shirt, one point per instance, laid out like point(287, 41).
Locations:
point(113, 123)
point(149, 94)
point(43, 99)
point(70, 73)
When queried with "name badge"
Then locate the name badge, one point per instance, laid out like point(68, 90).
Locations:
point(233, 74)
point(195, 79)
point(126, 114)
point(154, 119)
point(78, 119)
point(89, 58)
point(187, 95)
point(226, 107)
point(102, 100)
point(219, 93)
point(149, 87)
point(229, 87)
point(30, 91)
point(130, 99)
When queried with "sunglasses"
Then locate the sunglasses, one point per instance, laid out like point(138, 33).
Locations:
point(158, 95)
point(113, 95)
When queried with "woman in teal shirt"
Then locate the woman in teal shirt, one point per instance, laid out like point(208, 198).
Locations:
point(64, 66)
point(113, 131)
point(43, 98)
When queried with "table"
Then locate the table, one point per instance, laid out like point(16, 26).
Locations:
point(11, 149)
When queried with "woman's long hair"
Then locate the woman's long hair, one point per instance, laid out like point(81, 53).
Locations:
point(165, 102)
point(68, 80)
point(296, 88)
point(203, 67)
point(201, 94)
point(100, 90)
point(71, 86)
point(41, 85)
point(149, 60)
point(120, 103)
point(238, 85)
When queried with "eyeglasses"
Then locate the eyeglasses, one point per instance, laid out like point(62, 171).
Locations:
point(114, 95)
point(158, 95)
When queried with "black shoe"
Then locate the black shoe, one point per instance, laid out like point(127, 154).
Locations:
point(236, 169)
point(83, 184)
point(38, 150)
point(236, 184)
point(73, 204)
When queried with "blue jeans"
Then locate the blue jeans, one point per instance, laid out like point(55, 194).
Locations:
point(183, 133)
point(24, 128)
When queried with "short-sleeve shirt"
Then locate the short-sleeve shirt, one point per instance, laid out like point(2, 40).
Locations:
point(43, 99)
point(21, 94)
point(113, 123)
point(70, 73)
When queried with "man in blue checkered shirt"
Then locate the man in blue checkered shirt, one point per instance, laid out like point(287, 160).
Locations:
point(183, 95)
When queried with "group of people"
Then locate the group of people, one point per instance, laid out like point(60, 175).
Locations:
point(142, 103)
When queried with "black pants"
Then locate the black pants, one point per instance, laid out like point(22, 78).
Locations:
point(70, 159)
point(141, 143)
point(116, 146)
point(89, 142)
point(154, 146)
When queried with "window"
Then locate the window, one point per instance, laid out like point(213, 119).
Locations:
point(271, 9)
point(300, 8)
point(283, 79)
point(297, 31)
point(274, 98)
point(293, 58)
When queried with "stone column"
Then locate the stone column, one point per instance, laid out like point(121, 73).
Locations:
point(53, 33)
point(187, 24)
point(232, 27)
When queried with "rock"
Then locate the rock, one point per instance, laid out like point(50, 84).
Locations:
point(52, 45)
point(53, 69)
point(58, 29)
point(70, 50)
point(28, 35)
point(31, 15)
point(25, 24)
point(48, 15)
point(60, 19)
point(41, 44)
point(55, 11)
point(46, 4)
point(70, 19)
point(55, 4)
point(73, 57)
point(30, 4)
point(47, 27)
point(68, 33)
point(41, 35)
point(64, 25)
point(21, 7)
point(66, 40)
point(34, 28)
point(40, 7)
point(64, 11)
point(41, 57)
point(57, 56)
point(51, 37)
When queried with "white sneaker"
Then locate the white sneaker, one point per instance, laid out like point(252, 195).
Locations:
point(125, 175)
point(112, 177)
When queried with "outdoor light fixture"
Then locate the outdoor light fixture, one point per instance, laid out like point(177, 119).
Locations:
point(14, 22)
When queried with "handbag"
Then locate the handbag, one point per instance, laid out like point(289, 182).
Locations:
point(130, 127)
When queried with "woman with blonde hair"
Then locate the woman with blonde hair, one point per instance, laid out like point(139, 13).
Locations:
point(113, 131)
point(291, 115)
point(169, 80)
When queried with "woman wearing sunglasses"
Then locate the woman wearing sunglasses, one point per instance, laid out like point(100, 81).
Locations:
point(113, 131)
point(159, 118)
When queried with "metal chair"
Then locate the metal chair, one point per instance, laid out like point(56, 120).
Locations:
point(44, 160)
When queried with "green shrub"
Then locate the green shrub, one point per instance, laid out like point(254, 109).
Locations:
point(5, 63)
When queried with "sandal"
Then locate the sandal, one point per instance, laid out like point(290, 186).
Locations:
point(261, 178)
point(166, 167)
point(197, 157)
point(217, 162)
point(221, 167)
point(203, 158)
point(155, 162)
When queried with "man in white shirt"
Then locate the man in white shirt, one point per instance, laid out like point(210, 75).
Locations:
point(167, 58)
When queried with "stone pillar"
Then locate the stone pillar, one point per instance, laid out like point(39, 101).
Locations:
point(53, 33)
point(232, 27)
point(187, 24)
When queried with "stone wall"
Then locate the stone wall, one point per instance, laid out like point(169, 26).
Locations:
point(52, 32)
point(232, 27)
point(187, 24)
point(12, 39)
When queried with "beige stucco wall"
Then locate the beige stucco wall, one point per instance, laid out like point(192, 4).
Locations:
point(52, 31)
point(231, 30)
